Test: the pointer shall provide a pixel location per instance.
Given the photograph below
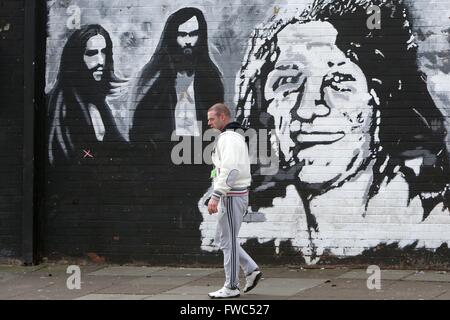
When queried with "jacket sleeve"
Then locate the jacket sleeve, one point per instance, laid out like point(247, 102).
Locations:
point(229, 167)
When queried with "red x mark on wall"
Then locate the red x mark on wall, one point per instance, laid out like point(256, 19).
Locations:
point(87, 153)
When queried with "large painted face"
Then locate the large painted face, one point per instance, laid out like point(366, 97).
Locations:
point(187, 35)
point(94, 56)
point(321, 106)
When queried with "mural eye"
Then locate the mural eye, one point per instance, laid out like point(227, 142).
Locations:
point(283, 80)
point(337, 80)
point(194, 33)
point(91, 53)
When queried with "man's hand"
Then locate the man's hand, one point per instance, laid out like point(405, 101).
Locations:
point(212, 206)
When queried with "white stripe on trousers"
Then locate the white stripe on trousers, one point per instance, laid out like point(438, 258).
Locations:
point(228, 227)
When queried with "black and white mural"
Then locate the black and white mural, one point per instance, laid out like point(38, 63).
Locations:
point(350, 97)
point(362, 144)
point(81, 122)
point(179, 83)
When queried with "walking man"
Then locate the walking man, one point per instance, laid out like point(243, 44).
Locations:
point(232, 178)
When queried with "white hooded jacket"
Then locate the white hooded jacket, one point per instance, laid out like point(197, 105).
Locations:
point(232, 164)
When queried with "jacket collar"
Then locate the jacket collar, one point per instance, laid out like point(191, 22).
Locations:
point(232, 126)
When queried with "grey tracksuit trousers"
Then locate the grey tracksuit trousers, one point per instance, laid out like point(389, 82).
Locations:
point(231, 214)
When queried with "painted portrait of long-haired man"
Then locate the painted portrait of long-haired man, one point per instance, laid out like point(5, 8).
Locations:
point(169, 101)
point(360, 142)
point(80, 122)
point(176, 87)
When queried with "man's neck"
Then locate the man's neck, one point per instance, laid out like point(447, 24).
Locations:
point(225, 126)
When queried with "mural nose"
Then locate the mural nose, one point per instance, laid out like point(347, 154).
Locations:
point(321, 109)
point(311, 105)
point(101, 60)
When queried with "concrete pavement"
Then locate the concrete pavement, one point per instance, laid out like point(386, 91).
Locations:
point(114, 282)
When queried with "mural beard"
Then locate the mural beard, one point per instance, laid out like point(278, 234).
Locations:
point(186, 59)
point(187, 51)
point(97, 73)
point(90, 89)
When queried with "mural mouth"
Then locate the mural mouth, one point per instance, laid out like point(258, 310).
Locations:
point(317, 137)
point(98, 72)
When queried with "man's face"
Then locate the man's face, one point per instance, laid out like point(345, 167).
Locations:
point(94, 56)
point(187, 35)
point(216, 121)
point(321, 105)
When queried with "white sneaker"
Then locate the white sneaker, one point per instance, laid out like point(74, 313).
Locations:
point(224, 293)
point(252, 280)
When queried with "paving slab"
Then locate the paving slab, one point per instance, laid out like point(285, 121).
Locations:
point(52, 270)
point(149, 286)
point(8, 276)
point(432, 276)
point(285, 286)
point(57, 270)
point(305, 273)
point(23, 285)
point(178, 297)
point(343, 294)
point(188, 290)
point(254, 296)
point(96, 296)
point(19, 269)
point(385, 274)
point(283, 272)
point(417, 290)
point(343, 289)
point(220, 273)
point(272, 272)
point(57, 290)
point(184, 272)
point(126, 271)
point(443, 296)
point(115, 282)
point(354, 283)
point(212, 282)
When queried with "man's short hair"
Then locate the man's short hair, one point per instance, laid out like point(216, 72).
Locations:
point(219, 109)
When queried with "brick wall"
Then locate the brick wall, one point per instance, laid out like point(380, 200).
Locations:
point(358, 117)
point(11, 127)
